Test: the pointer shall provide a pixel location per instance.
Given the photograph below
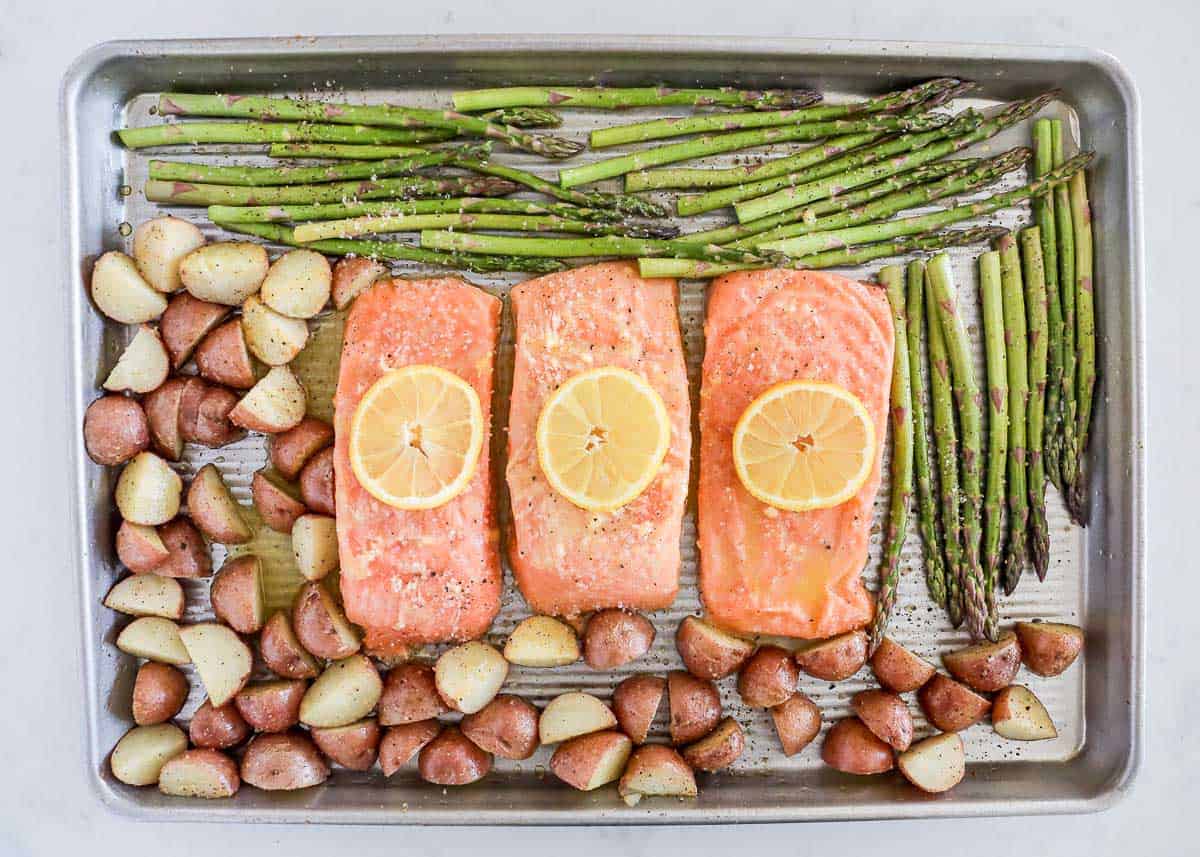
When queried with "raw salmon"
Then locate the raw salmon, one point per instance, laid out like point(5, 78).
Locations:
point(764, 570)
point(567, 560)
point(430, 575)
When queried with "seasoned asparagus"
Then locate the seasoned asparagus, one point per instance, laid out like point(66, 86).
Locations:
point(617, 98)
point(1016, 341)
point(1065, 229)
point(195, 133)
point(1043, 213)
point(605, 245)
point(341, 151)
point(523, 117)
point(467, 222)
point(1037, 310)
point(1085, 343)
point(992, 308)
point(387, 208)
point(187, 193)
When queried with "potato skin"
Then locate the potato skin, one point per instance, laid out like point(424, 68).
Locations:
point(235, 589)
point(635, 701)
point(951, 706)
point(139, 547)
point(836, 658)
point(769, 678)
point(316, 483)
point(797, 722)
point(188, 555)
point(886, 715)
point(282, 652)
point(655, 760)
point(185, 323)
point(898, 669)
point(986, 667)
point(159, 692)
point(1049, 648)
point(401, 743)
point(352, 274)
point(506, 727)
point(115, 429)
point(223, 768)
point(223, 358)
point(354, 746)
point(210, 424)
point(214, 510)
point(718, 749)
point(616, 637)
point(283, 761)
point(451, 759)
point(410, 695)
point(271, 706)
point(708, 652)
point(313, 622)
point(163, 407)
point(695, 706)
point(291, 450)
point(852, 748)
point(278, 509)
point(218, 728)
point(576, 761)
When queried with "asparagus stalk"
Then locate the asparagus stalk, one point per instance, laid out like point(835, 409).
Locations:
point(1016, 341)
point(386, 115)
point(817, 242)
point(970, 418)
point(901, 465)
point(242, 176)
point(605, 245)
point(340, 151)
point(991, 301)
point(187, 193)
point(1043, 213)
point(195, 133)
point(395, 251)
point(795, 196)
point(342, 210)
point(618, 98)
point(658, 129)
point(1065, 229)
point(1085, 342)
point(523, 117)
point(935, 568)
point(377, 225)
point(1037, 309)
point(714, 144)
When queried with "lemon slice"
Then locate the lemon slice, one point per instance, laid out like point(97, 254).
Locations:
point(601, 438)
point(416, 437)
point(804, 445)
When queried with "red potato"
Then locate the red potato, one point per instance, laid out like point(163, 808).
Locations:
point(572, 714)
point(695, 706)
point(951, 706)
point(886, 715)
point(590, 761)
point(237, 594)
point(272, 337)
point(346, 691)
point(278, 503)
point(797, 722)
point(1048, 648)
point(223, 357)
point(148, 490)
point(707, 651)
point(163, 412)
point(542, 641)
point(321, 626)
point(315, 545)
point(506, 727)
point(615, 637)
point(159, 692)
point(121, 293)
point(283, 762)
point(275, 404)
point(226, 272)
point(187, 554)
point(769, 678)
point(115, 429)
point(986, 667)
point(936, 764)
point(292, 449)
point(410, 695)
point(298, 283)
point(142, 751)
point(271, 706)
point(220, 727)
point(213, 509)
point(153, 638)
point(222, 660)
point(185, 323)
point(836, 658)
point(470, 675)
point(354, 746)
point(1019, 715)
point(142, 366)
point(898, 669)
point(451, 759)
point(159, 245)
point(316, 483)
point(210, 422)
point(655, 770)
point(208, 774)
point(401, 743)
point(718, 749)
point(146, 595)
point(282, 652)
point(635, 701)
point(351, 275)
point(852, 748)
point(140, 548)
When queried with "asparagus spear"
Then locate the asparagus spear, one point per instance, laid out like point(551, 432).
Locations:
point(991, 301)
point(341, 210)
point(795, 196)
point(194, 133)
point(1065, 229)
point(817, 242)
point(340, 151)
point(387, 115)
point(1085, 342)
point(1016, 338)
point(617, 98)
point(523, 117)
point(242, 176)
point(1043, 213)
point(379, 225)
point(395, 251)
point(970, 417)
point(901, 465)
point(563, 248)
point(927, 517)
point(186, 193)
point(716, 143)
point(1037, 309)
point(658, 129)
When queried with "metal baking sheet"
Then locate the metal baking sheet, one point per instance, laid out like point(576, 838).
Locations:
point(1096, 578)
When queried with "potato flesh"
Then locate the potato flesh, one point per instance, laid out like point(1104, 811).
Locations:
point(936, 764)
point(159, 245)
point(142, 366)
point(315, 545)
point(121, 293)
point(573, 714)
point(148, 490)
point(1019, 715)
point(221, 658)
point(224, 273)
point(146, 595)
point(141, 753)
point(155, 639)
point(207, 774)
point(542, 641)
point(275, 404)
point(272, 337)
point(298, 284)
point(469, 676)
point(347, 691)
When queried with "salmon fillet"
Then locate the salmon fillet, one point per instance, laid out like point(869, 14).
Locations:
point(765, 570)
point(430, 575)
point(568, 560)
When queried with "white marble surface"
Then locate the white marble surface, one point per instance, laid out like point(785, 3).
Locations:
point(45, 807)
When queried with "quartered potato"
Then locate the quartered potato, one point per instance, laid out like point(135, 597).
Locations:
point(271, 706)
point(1048, 648)
point(469, 676)
point(571, 714)
point(451, 759)
point(886, 715)
point(213, 509)
point(115, 429)
point(141, 753)
point(797, 722)
point(401, 743)
point(590, 761)
point(506, 727)
point(283, 761)
point(298, 284)
point(222, 660)
point(951, 706)
point(854, 749)
point(186, 323)
point(187, 554)
point(656, 771)
point(155, 639)
point(317, 483)
point(614, 638)
point(351, 275)
point(635, 702)
point(148, 490)
point(836, 658)
point(224, 357)
point(163, 407)
point(321, 626)
point(315, 545)
point(205, 412)
point(220, 727)
point(159, 692)
point(281, 650)
point(140, 548)
point(142, 366)
point(1019, 715)
point(718, 749)
point(769, 678)
point(224, 273)
point(695, 706)
point(278, 503)
point(542, 641)
point(202, 773)
point(707, 651)
point(276, 403)
point(121, 293)
point(410, 695)
point(898, 669)
point(347, 691)
point(159, 245)
point(146, 595)
point(936, 764)
point(354, 746)
point(986, 666)
point(272, 337)
point(237, 594)
point(292, 449)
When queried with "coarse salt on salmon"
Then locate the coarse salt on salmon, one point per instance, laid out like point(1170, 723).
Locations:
point(765, 570)
point(568, 560)
point(430, 575)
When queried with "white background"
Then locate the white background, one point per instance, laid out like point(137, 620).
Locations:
point(45, 807)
